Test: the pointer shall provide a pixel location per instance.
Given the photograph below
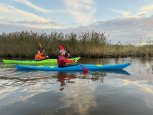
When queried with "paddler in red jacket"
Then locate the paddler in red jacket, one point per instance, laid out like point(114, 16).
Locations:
point(39, 56)
point(62, 60)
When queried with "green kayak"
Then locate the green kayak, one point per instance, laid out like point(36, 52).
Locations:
point(46, 61)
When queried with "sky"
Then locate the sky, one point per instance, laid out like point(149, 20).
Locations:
point(121, 20)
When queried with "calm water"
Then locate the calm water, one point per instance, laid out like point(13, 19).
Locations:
point(126, 92)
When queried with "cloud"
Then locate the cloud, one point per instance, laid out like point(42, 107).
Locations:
point(26, 2)
point(4, 27)
point(126, 14)
point(37, 8)
point(128, 29)
point(82, 10)
point(34, 23)
point(52, 23)
point(142, 12)
point(124, 30)
point(15, 15)
point(120, 29)
point(145, 10)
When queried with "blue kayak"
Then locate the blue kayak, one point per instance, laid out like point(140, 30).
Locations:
point(74, 67)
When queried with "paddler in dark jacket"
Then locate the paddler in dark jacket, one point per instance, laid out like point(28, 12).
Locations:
point(62, 60)
point(39, 56)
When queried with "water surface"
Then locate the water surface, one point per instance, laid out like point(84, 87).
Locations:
point(120, 92)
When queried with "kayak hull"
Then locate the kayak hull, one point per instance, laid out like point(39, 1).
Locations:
point(46, 61)
point(74, 68)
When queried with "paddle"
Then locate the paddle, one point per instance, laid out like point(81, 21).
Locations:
point(62, 48)
point(45, 52)
point(42, 49)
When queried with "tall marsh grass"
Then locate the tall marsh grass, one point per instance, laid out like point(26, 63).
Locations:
point(84, 44)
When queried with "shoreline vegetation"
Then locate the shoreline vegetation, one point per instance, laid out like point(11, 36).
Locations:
point(85, 44)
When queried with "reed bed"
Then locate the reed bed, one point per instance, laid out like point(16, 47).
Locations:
point(85, 44)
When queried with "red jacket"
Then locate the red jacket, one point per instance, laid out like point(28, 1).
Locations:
point(39, 56)
point(62, 60)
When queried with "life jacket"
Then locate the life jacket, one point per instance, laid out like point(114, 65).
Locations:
point(38, 57)
point(61, 60)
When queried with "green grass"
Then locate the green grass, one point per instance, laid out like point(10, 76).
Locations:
point(85, 44)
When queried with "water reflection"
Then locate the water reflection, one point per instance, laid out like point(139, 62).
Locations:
point(26, 78)
point(80, 98)
point(108, 92)
point(64, 77)
point(33, 81)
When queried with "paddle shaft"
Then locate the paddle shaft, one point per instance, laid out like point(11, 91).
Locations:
point(80, 64)
point(43, 49)
point(45, 52)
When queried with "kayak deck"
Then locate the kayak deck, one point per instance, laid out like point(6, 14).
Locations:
point(73, 68)
point(46, 61)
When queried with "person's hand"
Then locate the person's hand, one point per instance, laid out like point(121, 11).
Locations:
point(76, 61)
point(68, 54)
point(46, 56)
point(43, 50)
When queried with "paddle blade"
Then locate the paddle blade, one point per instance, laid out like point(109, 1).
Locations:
point(84, 68)
point(40, 45)
point(62, 48)
point(85, 72)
